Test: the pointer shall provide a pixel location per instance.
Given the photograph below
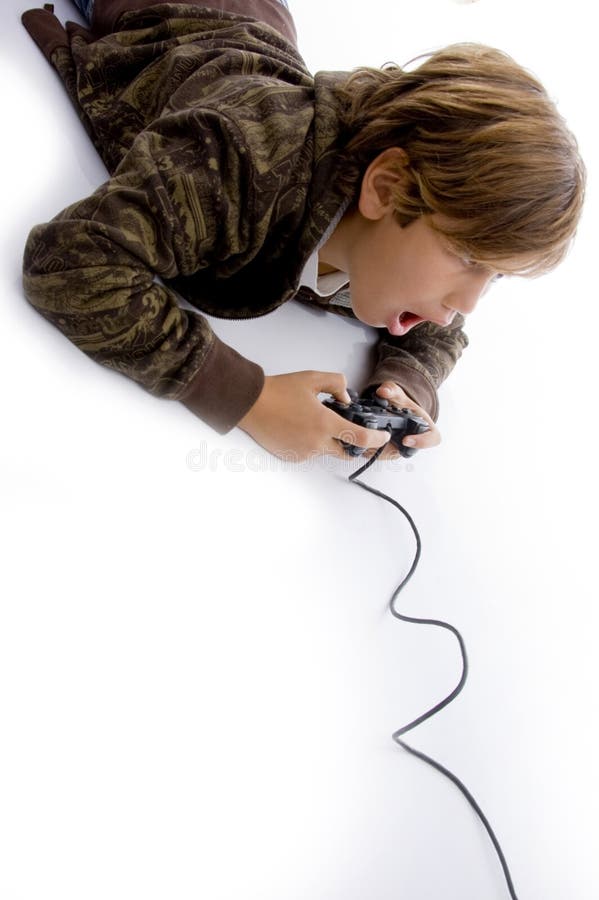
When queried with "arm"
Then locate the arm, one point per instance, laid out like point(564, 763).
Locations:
point(90, 271)
point(420, 361)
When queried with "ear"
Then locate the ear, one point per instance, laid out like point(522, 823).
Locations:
point(381, 176)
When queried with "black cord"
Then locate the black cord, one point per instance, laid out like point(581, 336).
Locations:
point(439, 706)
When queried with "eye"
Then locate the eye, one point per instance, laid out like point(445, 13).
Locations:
point(472, 264)
point(475, 266)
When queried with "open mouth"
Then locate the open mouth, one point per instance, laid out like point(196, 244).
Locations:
point(408, 319)
point(401, 323)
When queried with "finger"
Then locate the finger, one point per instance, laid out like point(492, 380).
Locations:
point(334, 383)
point(396, 394)
point(387, 388)
point(390, 451)
point(357, 436)
point(393, 392)
point(427, 439)
point(338, 450)
point(342, 452)
point(423, 441)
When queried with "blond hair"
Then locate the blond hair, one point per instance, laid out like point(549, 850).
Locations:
point(487, 150)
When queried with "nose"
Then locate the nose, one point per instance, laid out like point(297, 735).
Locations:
point(446, 320)
point(464, 301)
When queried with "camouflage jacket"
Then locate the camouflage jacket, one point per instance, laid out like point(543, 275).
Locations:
point(223, 153)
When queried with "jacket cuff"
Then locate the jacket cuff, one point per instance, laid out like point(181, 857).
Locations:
point(45, 29)
point(413, 383)
point(224, 389)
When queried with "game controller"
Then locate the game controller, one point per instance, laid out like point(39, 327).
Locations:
point(380, 414)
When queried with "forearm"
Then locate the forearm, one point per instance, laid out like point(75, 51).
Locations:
point(91, 272)
point(121, 318)
point(420, 361)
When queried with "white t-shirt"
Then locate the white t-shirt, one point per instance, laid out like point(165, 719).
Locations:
point(326, 285)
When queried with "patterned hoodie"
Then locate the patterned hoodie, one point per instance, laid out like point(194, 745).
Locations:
point(225, 157)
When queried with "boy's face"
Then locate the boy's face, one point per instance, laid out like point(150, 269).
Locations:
point(400, 276)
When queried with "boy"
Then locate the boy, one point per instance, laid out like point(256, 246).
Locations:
point(242, 181)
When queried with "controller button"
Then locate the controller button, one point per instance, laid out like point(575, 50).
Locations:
point(380, 401)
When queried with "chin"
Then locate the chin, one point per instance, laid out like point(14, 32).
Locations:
point(367, 319)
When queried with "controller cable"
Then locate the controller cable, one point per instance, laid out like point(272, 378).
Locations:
point(439, 706)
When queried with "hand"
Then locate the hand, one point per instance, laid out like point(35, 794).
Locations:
point(398, 397)
point(289, 420)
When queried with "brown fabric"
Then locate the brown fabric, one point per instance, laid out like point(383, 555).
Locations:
point(107, 12)
point(413, 382)
point(228, 155)
point(223, 190)
point(46, 30)
point(418, 362)
point(49, 34)
point(225, 389)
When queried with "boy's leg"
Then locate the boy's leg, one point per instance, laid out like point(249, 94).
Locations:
point(103, 14)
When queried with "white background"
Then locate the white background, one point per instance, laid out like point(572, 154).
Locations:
point(198, 674)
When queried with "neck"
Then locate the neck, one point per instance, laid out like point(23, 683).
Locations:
point(334, 253)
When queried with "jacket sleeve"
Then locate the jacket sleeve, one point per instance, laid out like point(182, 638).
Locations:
point(420, 361)
point(91, 273)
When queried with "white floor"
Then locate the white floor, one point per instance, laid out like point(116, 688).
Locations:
point(198, 675)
